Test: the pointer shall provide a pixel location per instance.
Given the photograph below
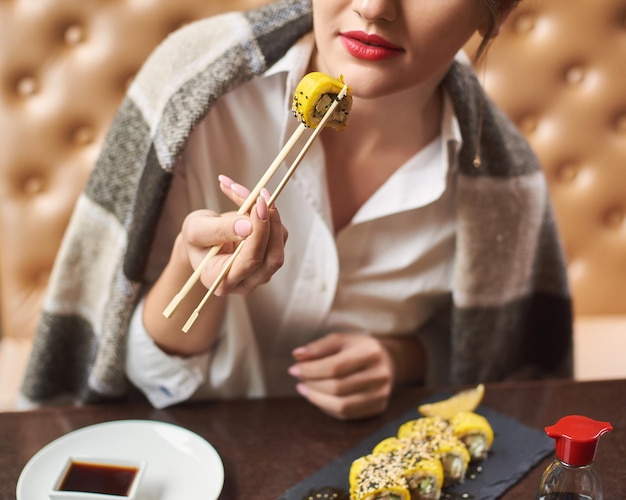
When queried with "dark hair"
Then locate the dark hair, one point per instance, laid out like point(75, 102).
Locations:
point(495, 11)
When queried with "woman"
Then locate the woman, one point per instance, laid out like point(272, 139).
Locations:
point(422, 247)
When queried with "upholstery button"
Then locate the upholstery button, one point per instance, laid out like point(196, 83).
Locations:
point(524, 23)
point(575, 75)
point(614, 217)
point(26, 86)
point(74, 34)
point(528, 124)
point(82, 136)
point(32, 185)
point(567, 172)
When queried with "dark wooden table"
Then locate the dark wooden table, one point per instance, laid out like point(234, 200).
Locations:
point(268, 446)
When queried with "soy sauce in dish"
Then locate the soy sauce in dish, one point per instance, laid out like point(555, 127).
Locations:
point(99, 478)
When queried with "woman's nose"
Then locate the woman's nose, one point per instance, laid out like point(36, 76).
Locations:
point(375, 10)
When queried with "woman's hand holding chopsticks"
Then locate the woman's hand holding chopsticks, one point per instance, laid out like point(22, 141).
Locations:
point(258, 259)
point(333, 112)
point(261, 256)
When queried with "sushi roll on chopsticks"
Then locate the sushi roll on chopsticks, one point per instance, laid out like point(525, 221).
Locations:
point(313, 97)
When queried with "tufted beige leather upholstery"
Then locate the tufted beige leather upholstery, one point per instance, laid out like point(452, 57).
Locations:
point(556, 69)
point(64, 68)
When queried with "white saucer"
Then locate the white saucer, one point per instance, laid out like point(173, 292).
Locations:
point(180, 464)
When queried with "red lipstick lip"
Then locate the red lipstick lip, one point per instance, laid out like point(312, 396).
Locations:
point(372, 39)
point(369, 47)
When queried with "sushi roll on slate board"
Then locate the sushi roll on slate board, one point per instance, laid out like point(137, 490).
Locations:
point(474, 431)
point(423, 427)
point(396, 473)
point(426, 454)
point(376, 477)
point(435, 435)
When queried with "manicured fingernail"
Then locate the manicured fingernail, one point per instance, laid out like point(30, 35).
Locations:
point(295, 371)
point(302, 390)
point(239, 190)
point(261, 208)
point(227, 181)
point(298, 351)
point(266, 194)
point(243, 227)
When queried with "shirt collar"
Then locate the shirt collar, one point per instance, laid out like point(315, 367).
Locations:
point(423, 179)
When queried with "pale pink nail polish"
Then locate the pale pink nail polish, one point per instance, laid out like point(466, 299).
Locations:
point(261, 208)
point(239, 190)
point(243, 227)
point(225, 180)
point(299, 351)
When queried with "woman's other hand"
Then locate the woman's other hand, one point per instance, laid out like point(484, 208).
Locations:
point(352, 375)
point(347, 375)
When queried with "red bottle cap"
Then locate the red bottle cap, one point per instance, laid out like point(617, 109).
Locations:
point(576, 438)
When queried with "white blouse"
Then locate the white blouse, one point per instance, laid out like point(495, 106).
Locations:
point(387, 272)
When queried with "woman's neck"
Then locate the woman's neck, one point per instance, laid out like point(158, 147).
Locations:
point(381, 136)
point(398, 125)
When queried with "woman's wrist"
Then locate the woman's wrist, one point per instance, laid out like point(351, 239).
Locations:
point(167, 332)
point(407, 355)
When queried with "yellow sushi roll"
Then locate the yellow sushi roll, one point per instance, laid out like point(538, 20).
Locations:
point(405, 450)
point(434, 435)
point(422, 427)
point(377, 477)
point(453, 455)
point(474, 431)
point(387, 445)
point(355, 470)
point(314, 95)
point(424, 476)
point(421, 469)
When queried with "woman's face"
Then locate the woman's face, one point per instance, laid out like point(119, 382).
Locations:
point(384, 46)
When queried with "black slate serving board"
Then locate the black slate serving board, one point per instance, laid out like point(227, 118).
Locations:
point(516, 449)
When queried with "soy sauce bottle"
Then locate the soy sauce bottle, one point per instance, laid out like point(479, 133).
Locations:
point(571, 476)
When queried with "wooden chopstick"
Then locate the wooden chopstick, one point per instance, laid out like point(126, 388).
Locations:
point(250, 200)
